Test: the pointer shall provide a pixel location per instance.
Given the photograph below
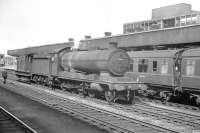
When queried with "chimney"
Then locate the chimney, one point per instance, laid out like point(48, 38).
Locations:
point(107, 34)
point(87, 37)
point(113, 45)
point(71, 39)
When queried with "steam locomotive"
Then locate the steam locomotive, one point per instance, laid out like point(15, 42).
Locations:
point(97, 73)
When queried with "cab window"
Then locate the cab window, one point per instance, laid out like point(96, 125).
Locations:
point(155, 66)
point(131, 66)
point(143, 65)
point(190, 67)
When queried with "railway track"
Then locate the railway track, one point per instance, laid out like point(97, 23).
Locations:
point(11, 124)
point(175, 117)
point(190, 118)
point(95, 116)
point(118, 118)
point(169, 104)
point(180, 117)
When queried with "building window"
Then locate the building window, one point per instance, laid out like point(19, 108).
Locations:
point(143, 65)
point(155, 66)
point(146, 26)
point(188, 19)
point(177, 21)
point(167, 23)
point(194, 18)
point(183, 20)
point(164, 67)
point(190, 67)
point(131, 68)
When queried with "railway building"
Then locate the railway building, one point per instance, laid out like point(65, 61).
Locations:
point(2, 61)
point(10, 61)
point(171, 27)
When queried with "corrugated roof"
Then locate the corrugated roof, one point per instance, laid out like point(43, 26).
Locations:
point(41, 56)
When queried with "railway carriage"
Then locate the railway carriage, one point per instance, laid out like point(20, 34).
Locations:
point(191, 70)
point(169, 74)
point(153, 67)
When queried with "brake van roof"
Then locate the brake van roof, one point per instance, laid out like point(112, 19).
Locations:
point(45, 49)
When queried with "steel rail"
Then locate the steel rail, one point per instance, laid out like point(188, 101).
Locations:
point(171, 116)
point(16, 123)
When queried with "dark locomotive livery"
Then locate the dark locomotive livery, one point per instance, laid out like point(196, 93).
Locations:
point(169, 74)
point(98, 73)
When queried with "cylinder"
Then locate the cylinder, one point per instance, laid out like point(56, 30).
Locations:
point(114, 61)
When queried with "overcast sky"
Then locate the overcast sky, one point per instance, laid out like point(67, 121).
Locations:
point(25, 23)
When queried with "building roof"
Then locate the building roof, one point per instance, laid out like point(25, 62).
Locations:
point(168, 36)
point(153, 54)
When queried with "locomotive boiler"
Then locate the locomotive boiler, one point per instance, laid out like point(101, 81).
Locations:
point(115, 61)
